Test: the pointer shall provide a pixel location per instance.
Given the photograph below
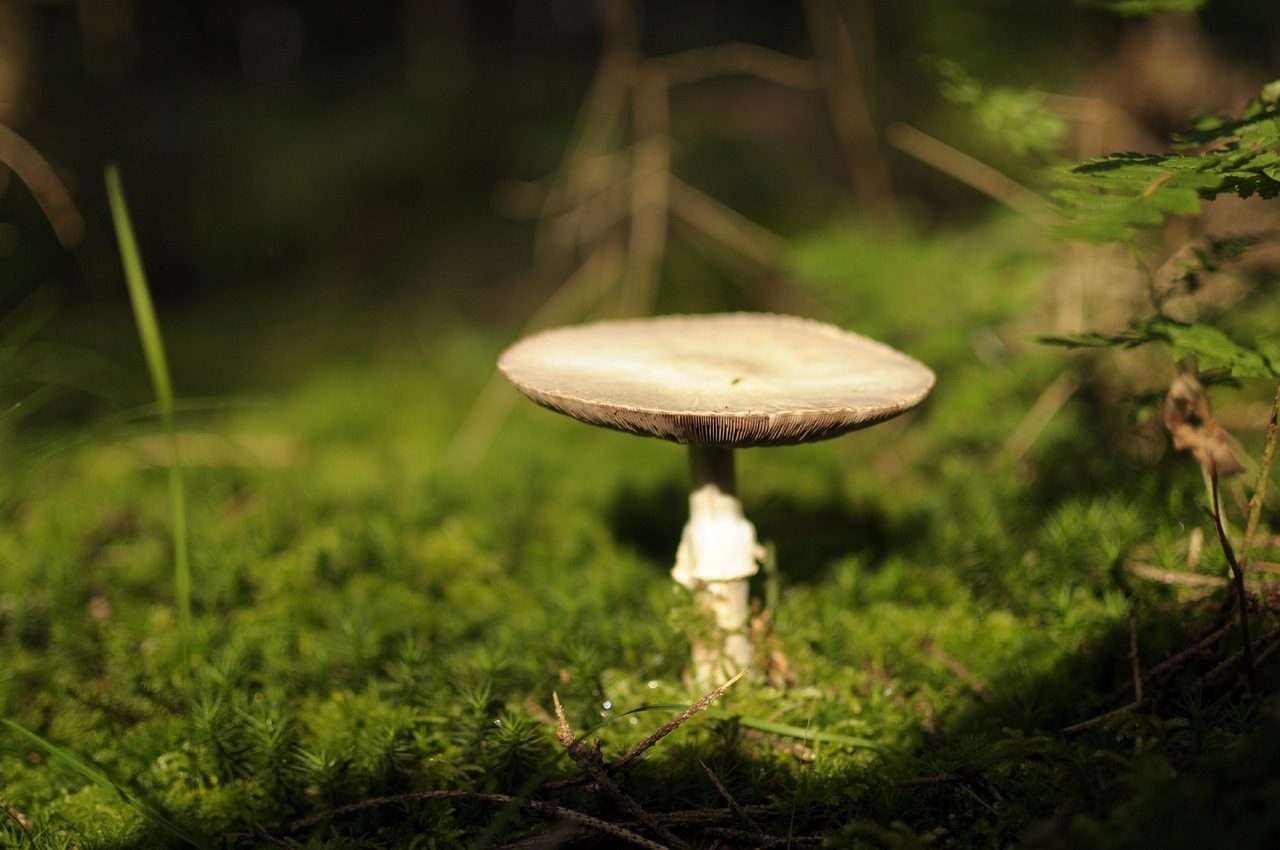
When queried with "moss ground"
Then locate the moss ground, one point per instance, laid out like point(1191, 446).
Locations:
point(375, 619)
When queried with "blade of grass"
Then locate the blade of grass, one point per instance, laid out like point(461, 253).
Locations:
point(153, 350)
point(98, 778)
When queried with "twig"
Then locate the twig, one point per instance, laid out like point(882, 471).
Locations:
point(593, 217)
point(1238, 574)
point(728, 798)
point(705, 63)
point(586, 285)
point(1135, 660)
point(38, 175)
point(1164, 576)
point(1260, 485)
point(588, 759)
point(673, 725)
point(650, 197)
point(764, 840)
point(851, 111)
point(1174, 660)
point(1148, 571)
point(1102, 718)
point(968, 170)
point(557, 836)
point(959, 671)
point(262, 832)
point(708, 817)
point(725, 225)
point(599, 122)
point(944, 779)
point(1046, 407)
point(535, 805)
point(1245, 652)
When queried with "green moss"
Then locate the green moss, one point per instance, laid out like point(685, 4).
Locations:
point(371, 620)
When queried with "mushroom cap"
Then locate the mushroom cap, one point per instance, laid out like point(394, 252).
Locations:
point(721, 380)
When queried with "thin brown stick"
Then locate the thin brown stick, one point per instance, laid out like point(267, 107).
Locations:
point(1195, 545)
point(1238, 574)
point(725, 225)
point(706, 63)
point(1103, 718)
point(1135, 660)
point(588, 759)
point(1260, 484)
point(1174, 660)
point(728, 798)
point(671, 726)
point(851, 111)
point(1052, 399)
point(944, 779)
point(959, 671)
point(585, 286)
point(589, 163)
point(593, 217)
point(1163, 576)
point(264, 834)
point(1235, 658)
point(968, 170)
point(706, 817)
point(762, 840)
point(300, 824)
point(650, 195)
point(38, 175)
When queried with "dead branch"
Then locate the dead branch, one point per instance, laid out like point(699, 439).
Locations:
point(945, 779)
point(296, 826)
point(765, 841)
point(1238, 574)
point(968, 171)
point(725, 225)
point(1153, 573)
point(851, 111)
point(585, 286)
point(650, 175)
point(706, 63)
point(589, 761)
point(1135, 660)
point(674, 724)
point(959, 671)
point(1174, 660)
point(584, 170)
point(1260, 484)
point(38, 175)
point(728, 798)
point(1103, 718)
point(1052, 399)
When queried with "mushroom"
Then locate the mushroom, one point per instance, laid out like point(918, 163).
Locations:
point(717, 383)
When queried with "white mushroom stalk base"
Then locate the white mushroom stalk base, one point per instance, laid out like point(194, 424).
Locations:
point(718, 554)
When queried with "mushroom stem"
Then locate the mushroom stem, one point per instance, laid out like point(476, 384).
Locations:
point(718, 554)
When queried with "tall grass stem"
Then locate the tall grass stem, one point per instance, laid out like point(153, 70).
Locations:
point(97, 777)
point(157, 364)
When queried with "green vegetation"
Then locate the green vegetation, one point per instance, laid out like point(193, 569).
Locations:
point(368, 622)
point(1015, 616)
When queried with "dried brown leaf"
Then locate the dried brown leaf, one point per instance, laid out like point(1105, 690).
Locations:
point(1188, 417)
